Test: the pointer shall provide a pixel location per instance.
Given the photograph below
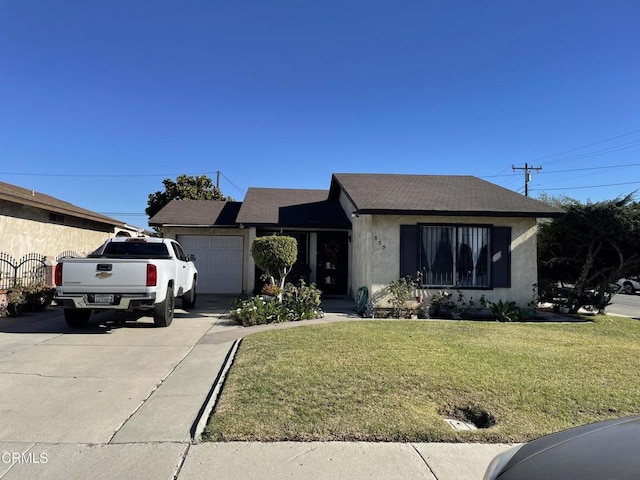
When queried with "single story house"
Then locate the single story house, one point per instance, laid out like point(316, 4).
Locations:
point(32, 222)
point(453, 231)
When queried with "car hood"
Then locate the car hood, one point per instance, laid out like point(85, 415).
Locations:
point(605, 450)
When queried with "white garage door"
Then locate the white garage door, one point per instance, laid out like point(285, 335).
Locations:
point(219, 261)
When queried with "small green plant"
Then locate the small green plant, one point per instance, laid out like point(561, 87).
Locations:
point(401, 291)
point(505, 311)
point(469, 308)
point(441, 304)
point(271, 289)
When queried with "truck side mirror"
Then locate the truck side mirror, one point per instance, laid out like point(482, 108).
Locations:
point(191, 257)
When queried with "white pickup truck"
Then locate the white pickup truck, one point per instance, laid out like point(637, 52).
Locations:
point(127, 274)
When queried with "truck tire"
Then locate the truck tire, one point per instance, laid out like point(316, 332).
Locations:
point(163, 311)
point(189, 298)
point(76, 317)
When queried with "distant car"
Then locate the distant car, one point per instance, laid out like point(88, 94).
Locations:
point(599, 451)
point(629, 285)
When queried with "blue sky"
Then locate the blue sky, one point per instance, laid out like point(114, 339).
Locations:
point(99, 101)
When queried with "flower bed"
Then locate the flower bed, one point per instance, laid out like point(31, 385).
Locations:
point(301, 302)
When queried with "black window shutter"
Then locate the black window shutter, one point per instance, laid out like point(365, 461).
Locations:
point(409, 242)
point(501, 257)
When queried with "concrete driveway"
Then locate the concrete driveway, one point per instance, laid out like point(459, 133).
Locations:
point(112, 396)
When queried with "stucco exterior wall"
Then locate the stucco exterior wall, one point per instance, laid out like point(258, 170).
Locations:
point(360, 266)
point(25, 230)
point(376, 241)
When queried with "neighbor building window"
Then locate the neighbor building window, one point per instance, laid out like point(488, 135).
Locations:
point(455, 256)
point(56, 218)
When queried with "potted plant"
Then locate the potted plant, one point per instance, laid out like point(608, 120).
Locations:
point(270, 291)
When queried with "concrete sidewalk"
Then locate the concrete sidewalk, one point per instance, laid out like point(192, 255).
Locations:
point(338, 461)
point(75, 425)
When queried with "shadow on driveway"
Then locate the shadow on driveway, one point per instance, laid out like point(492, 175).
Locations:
point(51, 320)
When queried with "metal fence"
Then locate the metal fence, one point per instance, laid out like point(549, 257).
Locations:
point(31, 269)
point(68, 254)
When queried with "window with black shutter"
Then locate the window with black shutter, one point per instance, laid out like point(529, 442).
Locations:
point(456, 256)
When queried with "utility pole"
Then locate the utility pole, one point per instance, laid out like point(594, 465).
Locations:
point(218, 179)
point(527, 175)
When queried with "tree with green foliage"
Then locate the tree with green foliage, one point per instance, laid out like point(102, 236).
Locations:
point(275, 255)
point(590, 247)
point(185, 187)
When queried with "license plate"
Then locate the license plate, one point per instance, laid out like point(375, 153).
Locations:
point(103, 299)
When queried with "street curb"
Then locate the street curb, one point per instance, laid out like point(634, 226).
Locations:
point(212, 398)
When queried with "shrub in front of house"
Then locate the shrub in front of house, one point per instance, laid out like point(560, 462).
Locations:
point(14, 303)
point(301, 302)
point(257, 310)
point(19, 299)
point(38, 297)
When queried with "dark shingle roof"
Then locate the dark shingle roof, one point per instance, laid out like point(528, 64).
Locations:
point(434, 195)
point(291, 208)
point(197, 212)
point(24, 196)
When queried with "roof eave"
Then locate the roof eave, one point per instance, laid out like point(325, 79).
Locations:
point(51, 208)
point(459, 213)
point(191, 225)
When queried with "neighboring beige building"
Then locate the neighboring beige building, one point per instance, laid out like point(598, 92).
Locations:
point(32, 222)
point(459, 232)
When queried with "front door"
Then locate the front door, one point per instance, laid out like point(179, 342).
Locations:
point(333, 258)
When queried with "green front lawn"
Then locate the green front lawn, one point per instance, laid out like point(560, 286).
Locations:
point(395, 380)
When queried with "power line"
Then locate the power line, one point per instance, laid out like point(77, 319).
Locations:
point(587, 146)
point(571, 170)
point(608, 150)
point(109, 175)
point(597, 153)
point(587, 186)
point(233, 184)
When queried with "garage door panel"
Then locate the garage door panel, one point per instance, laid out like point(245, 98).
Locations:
point(219, 260)
point(225, 257)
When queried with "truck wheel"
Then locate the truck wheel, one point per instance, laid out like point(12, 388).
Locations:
point(163, 311)
point(628, 288)
point(76, 317)
point(189, 298)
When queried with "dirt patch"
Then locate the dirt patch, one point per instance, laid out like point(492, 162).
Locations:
point(471, 414)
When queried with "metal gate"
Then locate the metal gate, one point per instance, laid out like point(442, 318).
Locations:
point(29, 270)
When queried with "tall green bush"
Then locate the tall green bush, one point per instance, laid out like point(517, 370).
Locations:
point(275, 255)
